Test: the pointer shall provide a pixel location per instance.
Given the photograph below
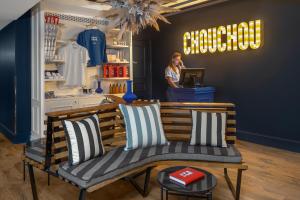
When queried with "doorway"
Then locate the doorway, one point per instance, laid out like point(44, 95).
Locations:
point(142, 67)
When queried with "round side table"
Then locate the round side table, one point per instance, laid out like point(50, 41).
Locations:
point(199, 189)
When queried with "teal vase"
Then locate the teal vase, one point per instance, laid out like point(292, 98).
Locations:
point(129, 97)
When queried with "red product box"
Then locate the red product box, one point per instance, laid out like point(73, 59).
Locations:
point(105, 71)
point(120, 71)
point(111, 70)
point(115, 71)
point(186, 176)
point(125, 71)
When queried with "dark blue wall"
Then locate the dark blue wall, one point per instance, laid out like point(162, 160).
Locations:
point(7, 79)
point(263, 83)
point(15, 82)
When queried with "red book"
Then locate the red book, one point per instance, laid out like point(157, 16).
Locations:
point(186, 176)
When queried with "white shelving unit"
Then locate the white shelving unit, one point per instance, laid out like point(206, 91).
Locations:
point(70, 97)
point(122, 52)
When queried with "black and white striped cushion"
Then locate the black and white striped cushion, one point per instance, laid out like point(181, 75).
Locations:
point(208, 129)
point(118, 161)
point(143, 126)
point(83, 139)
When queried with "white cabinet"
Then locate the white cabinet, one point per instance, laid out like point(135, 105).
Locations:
point(90, 101)
point(59, 104)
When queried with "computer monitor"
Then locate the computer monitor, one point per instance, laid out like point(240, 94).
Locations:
point(192, 77)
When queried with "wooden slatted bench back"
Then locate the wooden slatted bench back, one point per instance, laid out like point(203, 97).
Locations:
point(176, 119)
point(111, 127)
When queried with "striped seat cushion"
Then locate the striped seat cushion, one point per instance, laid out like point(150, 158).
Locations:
point(209, 128)
point(36, 150)
point(143, 126)
point(83, 139)
point(119, 161)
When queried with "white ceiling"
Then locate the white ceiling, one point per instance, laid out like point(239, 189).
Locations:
point(13, 9)
point(78, 7)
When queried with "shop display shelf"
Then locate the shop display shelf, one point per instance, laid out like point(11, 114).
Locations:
point(115, 78)
point(54, 80)
point(118, 63)
point(109, 46)
point(55, 61)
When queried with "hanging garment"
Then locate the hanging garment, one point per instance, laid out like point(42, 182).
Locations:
point(73, 71)
point(95, 42)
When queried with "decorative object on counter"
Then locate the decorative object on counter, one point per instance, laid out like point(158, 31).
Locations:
point(106, 101)
point(86, 90)
point(129, 96)
point(134, 15)
point(99, 90)
point(49, 95)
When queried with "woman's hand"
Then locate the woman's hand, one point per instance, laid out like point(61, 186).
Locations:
point(171, 83)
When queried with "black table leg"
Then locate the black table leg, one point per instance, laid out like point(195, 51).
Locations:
point(209, 196)
point(161, 193)
point(167, 194)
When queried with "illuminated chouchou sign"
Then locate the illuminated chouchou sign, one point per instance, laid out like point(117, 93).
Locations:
point(230, 38)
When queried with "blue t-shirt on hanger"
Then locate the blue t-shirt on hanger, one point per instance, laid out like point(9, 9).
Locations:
point(95, 42)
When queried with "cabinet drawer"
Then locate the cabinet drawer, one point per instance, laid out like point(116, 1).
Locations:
point(91, 101)
point(60, 104)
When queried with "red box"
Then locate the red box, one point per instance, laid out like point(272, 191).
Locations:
point(115, 71)
point(125, 71)
point(111, 71)
point(120, 71)
point(105, 71)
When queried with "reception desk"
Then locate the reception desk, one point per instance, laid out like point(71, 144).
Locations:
point(202, 94)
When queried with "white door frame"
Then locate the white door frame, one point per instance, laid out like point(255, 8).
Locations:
point(37, 72)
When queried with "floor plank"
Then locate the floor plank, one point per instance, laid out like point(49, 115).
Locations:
point(273, 174)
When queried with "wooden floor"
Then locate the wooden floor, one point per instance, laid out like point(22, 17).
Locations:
point(273, 174)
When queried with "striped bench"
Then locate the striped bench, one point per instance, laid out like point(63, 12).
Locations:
point(118, 164)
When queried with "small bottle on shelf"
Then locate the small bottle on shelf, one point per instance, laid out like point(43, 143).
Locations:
point(124, 88)
point(113, 89)
point(120, 89)
point(110, 89)
point(116, 89)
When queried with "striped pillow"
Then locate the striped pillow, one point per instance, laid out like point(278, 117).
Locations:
point(83, 139)
point(143, 126)
point(208, 129)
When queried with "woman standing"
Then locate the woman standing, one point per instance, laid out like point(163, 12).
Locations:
point(172, 72)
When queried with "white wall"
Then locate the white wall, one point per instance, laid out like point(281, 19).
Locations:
point(10, 10)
